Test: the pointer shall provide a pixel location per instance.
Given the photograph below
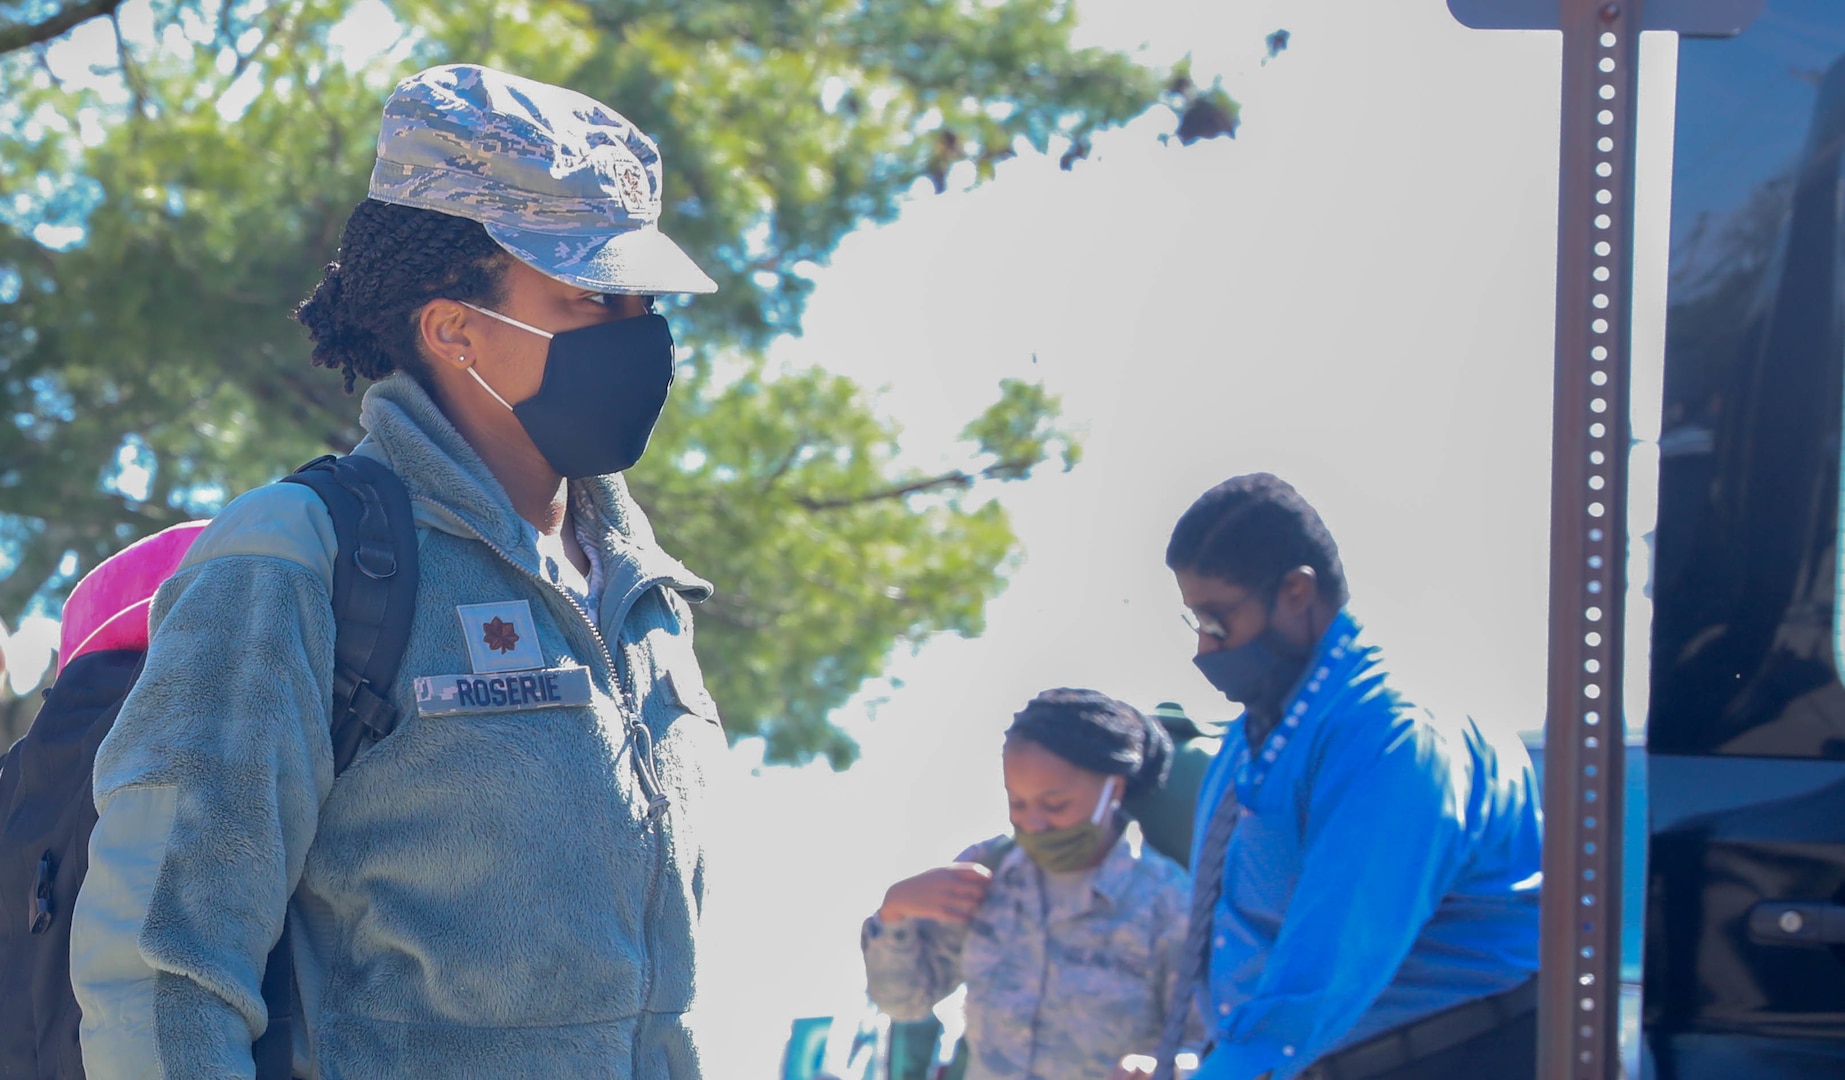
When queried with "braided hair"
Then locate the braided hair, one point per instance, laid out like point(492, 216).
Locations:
point(1251, 530)
point(392, 260)
point(1093, 731)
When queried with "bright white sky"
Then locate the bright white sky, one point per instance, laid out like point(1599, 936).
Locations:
point(1356, 294)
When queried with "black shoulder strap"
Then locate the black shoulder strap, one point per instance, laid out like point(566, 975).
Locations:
point(374, 592)
point(374, 601)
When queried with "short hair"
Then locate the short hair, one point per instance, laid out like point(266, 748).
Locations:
point(1093, 731)
point(1251, 530)
point(393, 259)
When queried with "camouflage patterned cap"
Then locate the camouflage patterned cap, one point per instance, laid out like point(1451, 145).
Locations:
point(560, 180)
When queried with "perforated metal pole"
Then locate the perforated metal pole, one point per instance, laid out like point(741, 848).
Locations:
point(1579, 981)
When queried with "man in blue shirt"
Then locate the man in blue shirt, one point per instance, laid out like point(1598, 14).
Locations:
point(1367, 894)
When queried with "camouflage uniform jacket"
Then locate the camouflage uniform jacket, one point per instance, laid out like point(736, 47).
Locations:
point(1051, 995)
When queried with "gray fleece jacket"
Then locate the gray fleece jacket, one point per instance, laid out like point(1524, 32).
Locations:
point(482, 894)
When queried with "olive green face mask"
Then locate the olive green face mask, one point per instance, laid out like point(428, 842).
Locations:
point(1072, 848)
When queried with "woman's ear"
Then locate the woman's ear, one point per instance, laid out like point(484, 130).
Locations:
point(445, 333)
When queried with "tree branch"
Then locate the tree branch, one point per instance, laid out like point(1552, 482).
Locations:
point(283, 27)
point(131, 78)
point(962, 480)
point(15, 36)
point(776, 474)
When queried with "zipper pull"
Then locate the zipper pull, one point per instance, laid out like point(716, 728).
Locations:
point(657, 800)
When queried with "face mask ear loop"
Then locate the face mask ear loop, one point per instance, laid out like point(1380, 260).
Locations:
point(1103, 805)
point(489, 389)
point(508, 320)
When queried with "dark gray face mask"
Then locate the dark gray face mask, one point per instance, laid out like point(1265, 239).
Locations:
point(1257, 673)
point(1250, 674)
point(604, 387)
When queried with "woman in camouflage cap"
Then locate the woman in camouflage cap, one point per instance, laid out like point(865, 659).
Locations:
point(509, 883)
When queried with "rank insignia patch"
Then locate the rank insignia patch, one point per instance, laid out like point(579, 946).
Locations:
point(500, 637)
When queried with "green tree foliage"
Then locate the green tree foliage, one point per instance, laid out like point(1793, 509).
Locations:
point(161, 215)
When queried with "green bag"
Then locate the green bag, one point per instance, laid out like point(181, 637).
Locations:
point(1166, 813)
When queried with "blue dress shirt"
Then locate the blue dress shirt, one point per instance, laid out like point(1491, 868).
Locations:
point(1386, 867)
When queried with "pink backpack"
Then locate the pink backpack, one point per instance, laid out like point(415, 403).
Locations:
point(108, 608)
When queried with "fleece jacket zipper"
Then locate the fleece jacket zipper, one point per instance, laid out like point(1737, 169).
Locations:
point(640, 739)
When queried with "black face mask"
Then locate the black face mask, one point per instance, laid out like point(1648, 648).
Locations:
point(1256, 674)
point(603, 389)
point(1250, 674)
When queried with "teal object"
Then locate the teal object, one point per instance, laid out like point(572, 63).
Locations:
point(912, 1048)
point(806, 1048)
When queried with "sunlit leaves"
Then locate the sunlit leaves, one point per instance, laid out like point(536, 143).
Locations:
point(786, 490)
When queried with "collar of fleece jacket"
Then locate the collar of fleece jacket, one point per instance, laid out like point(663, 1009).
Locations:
point(447, 479)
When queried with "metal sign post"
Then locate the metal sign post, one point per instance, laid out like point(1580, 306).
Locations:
point(1584, 729)
point(1579, 978)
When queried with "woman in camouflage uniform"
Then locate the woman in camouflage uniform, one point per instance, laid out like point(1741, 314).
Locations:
point(1066, 933)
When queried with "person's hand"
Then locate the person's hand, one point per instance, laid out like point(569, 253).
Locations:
point(948, 894)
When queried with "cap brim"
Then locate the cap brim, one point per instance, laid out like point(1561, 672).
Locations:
point(643, 261)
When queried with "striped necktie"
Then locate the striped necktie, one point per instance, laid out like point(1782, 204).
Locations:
point(1195, 961)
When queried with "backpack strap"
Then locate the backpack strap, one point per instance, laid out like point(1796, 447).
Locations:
point(374, 592)
point(374, 603)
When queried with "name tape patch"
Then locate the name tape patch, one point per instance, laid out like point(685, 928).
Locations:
point(451, 695)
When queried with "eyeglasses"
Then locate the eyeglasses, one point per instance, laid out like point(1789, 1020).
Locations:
point(1212, 626)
